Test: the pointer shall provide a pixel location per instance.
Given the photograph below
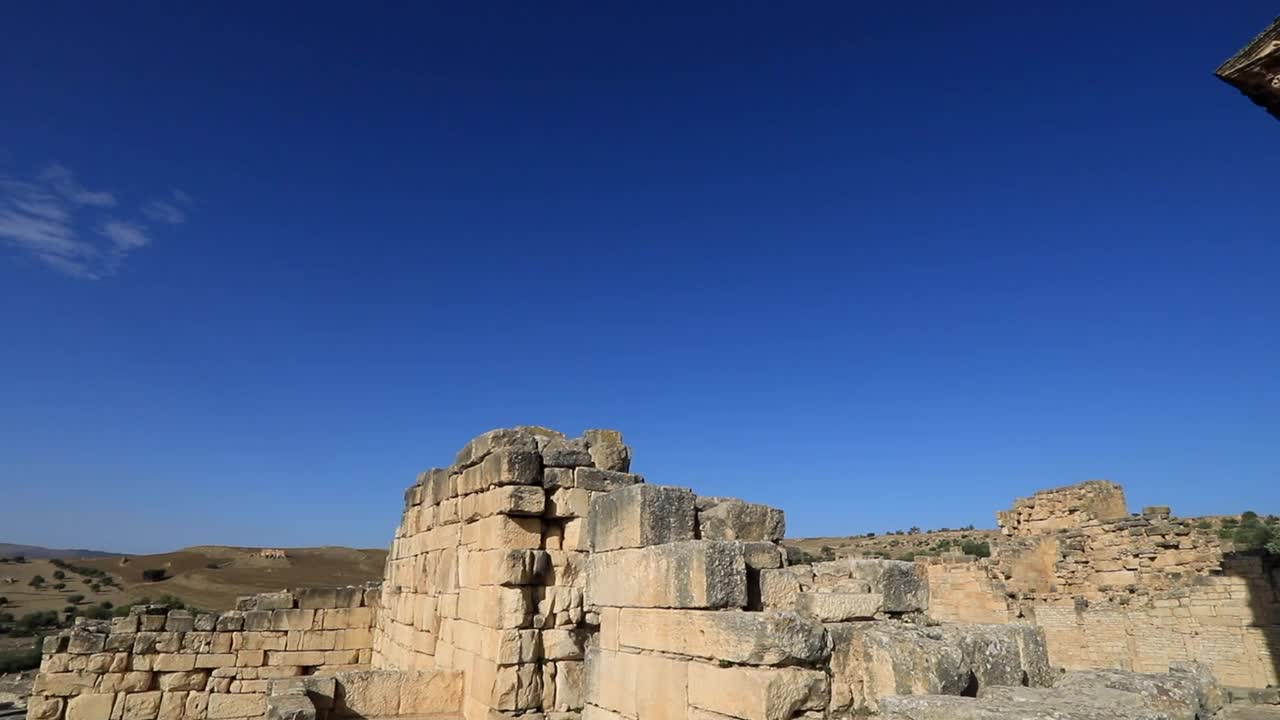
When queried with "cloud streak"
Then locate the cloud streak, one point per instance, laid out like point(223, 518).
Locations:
point(48, 219)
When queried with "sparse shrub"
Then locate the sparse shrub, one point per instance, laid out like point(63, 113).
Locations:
point(3, 601)
point(908, 556)
point(1204, 524)
point(75, 599)
point(71, 611)
point(172, 602)
point(1248, 517)
point(59, 586)
point(59, 574)
point(977, 549)
point(36, 581)
point(95, 587)
point(29, 623)
point(20, 660)
point(154, 574)
point(915, 530)
point(98, 612)
point(1253, 536)
point(213, 566)
point(19, 558)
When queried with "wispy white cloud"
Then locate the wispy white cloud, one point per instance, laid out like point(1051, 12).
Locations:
point(125, 235)
point(164, 212)
point(56, 221)
point(64, 181)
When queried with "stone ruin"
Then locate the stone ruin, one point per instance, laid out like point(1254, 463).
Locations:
point(538, 578)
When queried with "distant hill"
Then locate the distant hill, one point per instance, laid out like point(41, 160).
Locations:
point(35, 551)
point(209, 577)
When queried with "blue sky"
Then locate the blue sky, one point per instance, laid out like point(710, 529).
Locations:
point(880, 266)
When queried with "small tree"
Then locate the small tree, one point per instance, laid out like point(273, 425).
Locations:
point(75, 599)
point(154, 574)
point(59, 586)
point(36, 581)
point(59, 574)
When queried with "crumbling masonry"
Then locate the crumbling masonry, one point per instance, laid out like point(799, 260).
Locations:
point(539, 578)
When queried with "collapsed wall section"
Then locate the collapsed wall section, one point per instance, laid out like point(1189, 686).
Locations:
point(160, 664)
point(1064, 507)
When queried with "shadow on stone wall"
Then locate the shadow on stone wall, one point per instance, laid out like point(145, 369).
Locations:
point(1262, 573)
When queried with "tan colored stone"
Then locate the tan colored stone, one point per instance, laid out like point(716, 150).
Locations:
point(503, 532)
point(172, 706)
point(757, 638)
point(94, 706)
point(691, 574)
point(142, 706)
point(225, 705)
point(44, 708)
point(756, 693)
point(170, 662)
point(662, 688)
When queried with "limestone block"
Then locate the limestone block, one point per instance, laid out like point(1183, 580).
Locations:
point(563, 644)
point(611, 680)
point(119, 642)
point(557, 477)
point(142, 706)
point(197, 706)
point(505, 466)
point(284, 620)
point(574, 536)
point(63, 684)
point(91, 706)
point(44, 708)
point(640, 515)
point(240, 705)
point(193, 680)
point(903, 584)
point(216, 660)
point(290, 707)
point(179, 621)
point(568, 502)
point(282, 600)
point(595, 712)
point(172, 705)
point(1179, 695)
point(733, 519)
point(948, 707)
point(763, 555)
point(607, 450)
point(230, 621)
point(125, 624)
point(136, 681)
point(752, 693)
point(173, 662)
point(250, 658)
point(569, 684)
point(840, 607)
point(342, 618)
point(479, 448)
point(690, 574)
point(563, 453)
point(329, 597)
point(82, 642)
point(152, 623)
point(503, 532)
point(756, 638)
point(597, 480)
point(503, 500)
point(499, 567)
point(662, 688)
point(257, 621)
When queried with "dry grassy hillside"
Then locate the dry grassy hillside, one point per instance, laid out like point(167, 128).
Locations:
point(902, 546)
point(206, 577)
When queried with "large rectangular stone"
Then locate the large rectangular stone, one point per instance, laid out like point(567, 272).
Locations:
point(734, 519)
point(756, 638)
point(93, 706)
point(840, 607)
point(241, 705)
point(502, 531)
point(640, 515)
point(690, 574)
point(505, 500)
point(603, 480)
point(757, 693)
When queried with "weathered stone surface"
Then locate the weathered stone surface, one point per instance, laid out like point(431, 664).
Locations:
point(939, 707)
point(840, 607)
point(562, 453)
point(1179, 695)
point(224, 705)
point(756, 693)
point(608, 451)
point(902, 584)
point(93, 706)
point(755, 638)
point(479, 448)
point(44, 708)
point(690, 574)
point(733, 519)
point(597, 480)
point(290, 707)
point(874, 660)
point(640, 515)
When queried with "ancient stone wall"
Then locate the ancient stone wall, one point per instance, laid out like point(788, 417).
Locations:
point(158, 664)
point(1064, 507)
point(1133, 592)
point(486, 572)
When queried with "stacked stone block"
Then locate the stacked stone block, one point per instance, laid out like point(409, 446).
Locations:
point(159, 664)
point(1064, 507)
point(486, 572)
